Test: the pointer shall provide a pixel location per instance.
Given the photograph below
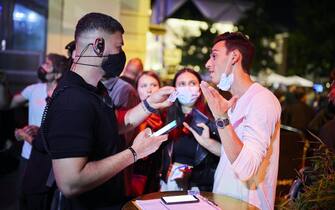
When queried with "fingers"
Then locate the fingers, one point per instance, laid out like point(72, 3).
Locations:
point(31, 130)
point(190, 129)
point(147, 132)
point(232, 101)
point(161, 138)
point(166, 90)
point(204, 88)
point(214, 92)
point(164, 104)
point(203, 125)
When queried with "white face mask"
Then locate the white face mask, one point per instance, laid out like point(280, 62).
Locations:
point(188, 95)
point(226, 81)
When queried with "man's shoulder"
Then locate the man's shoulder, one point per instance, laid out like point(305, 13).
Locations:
point(34, 89)
point(263, 97)
point(265, 93)
point(73, 96)
point(35, 86)
point(125, 85)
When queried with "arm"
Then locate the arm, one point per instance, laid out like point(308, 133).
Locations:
point(260, 126)
point(17, 101)
point(204, 140)
point(77, 175)
point(139, 113)
point(219, 106)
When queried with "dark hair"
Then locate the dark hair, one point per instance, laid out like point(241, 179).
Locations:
point(59, 62)
point(237, 40)
point(97, 21)
point(70, 47)
point(183, 70)
point(148, 73)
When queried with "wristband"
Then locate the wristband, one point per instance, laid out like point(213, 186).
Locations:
point(134, 153)
point(148, 107)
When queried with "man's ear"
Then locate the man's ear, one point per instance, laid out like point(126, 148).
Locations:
point(236, 56)
point(73, 56)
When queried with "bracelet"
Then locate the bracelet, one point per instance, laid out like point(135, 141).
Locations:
point(134, 153)
point(148, 107)
point(144, 108)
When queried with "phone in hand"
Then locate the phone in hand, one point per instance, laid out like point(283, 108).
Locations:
point(179, 199)
point(167, 128)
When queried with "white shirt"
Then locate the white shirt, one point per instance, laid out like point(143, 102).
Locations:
point(36, 95)
point(252, 177)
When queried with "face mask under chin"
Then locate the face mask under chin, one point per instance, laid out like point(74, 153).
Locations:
point(226, 81)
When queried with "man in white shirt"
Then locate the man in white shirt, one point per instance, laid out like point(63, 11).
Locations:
point(248, 124)
point(36, 94)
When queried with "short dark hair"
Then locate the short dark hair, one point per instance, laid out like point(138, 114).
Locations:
point(59, 62)
point(237, 40)
point(183, 70)
point(148, 73)
point(97, 21)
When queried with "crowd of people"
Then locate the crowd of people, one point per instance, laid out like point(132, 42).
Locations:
point(89, 144)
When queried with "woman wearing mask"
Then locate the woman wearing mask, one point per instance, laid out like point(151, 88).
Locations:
point(186, 164)
point(146, 177)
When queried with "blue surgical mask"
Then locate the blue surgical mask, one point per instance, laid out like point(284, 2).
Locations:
point(188, 95)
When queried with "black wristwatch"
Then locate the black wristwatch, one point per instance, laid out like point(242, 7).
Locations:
point(222, 122)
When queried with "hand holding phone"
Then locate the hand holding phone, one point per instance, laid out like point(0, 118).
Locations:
point(167, 128)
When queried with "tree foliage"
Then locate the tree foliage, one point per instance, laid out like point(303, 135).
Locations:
point(196, 50)
point(310, 43)
point(310, 28)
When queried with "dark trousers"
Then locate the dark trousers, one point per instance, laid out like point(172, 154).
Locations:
point(38, 201)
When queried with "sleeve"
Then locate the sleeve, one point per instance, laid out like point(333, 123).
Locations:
point(260, 124)
point(71, 128)
point(127, 96)
point(27, 92)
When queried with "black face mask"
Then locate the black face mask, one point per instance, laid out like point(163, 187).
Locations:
point(41, 74)
point(114, 64)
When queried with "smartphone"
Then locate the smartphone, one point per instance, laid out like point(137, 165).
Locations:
point(165, 129)
point(178, 199)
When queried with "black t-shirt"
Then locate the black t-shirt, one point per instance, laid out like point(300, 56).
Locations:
point(79, 124)
point(184, 149)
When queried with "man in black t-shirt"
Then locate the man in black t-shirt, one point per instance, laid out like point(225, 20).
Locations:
point(81, 134)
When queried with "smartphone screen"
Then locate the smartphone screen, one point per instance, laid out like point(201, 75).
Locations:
point(166, 128)
point(179, 199)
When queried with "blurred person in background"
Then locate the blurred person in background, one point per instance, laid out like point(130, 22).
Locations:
point(297, 113)
point(327, 113)
point(36, 95)
point(133, 68)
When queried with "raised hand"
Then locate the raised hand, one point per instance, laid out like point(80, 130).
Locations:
point(159, 98)
point(217, 103)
